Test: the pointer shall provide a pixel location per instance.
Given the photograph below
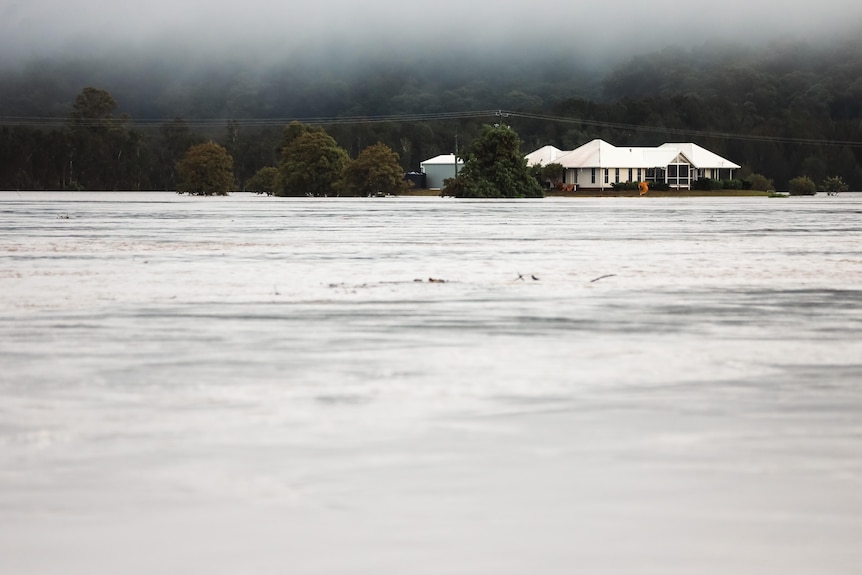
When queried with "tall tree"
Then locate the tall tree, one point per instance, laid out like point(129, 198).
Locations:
point(376, 170)
point(206, 170)
point(265, 181)
point(97, 142)
point(93, 107)
point(173, 142)
point(312, 165)
point(495, 168)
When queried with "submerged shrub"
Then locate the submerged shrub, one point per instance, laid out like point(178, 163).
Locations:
point(624, 186)
point(760, 182)
point(706, 184)
point(834, 184)
point(802, 186)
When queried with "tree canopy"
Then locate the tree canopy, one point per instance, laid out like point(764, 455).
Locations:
point(264, 181)
point(495, 167)
point(375, 171)
point(802, 186)
point(92, 105)
point(834, 184)
point(311, 165)
point(205, 170)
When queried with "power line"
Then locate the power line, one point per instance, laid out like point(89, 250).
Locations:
point(209, 123)
point(687, 132)
point(54, 122)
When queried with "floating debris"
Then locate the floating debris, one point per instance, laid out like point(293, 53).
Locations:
point(386, 283)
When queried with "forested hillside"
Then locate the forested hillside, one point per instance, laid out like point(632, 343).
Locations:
point(784, 110)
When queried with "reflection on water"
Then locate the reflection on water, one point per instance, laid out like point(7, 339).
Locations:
point(677, 391)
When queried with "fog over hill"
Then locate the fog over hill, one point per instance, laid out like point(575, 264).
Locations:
point(264, 30)
point(190, 58)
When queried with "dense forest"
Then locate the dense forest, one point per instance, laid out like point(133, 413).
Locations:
point(783, 110)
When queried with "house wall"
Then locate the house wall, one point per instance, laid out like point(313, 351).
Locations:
point(583, 177)
point(714, 173)
point(604, 178)
point(594, 178)
point(436, 173)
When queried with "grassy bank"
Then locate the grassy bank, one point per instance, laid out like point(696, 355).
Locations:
point(632, 193)
point(657, 193)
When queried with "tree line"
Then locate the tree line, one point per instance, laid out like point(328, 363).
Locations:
point(785, 111)
point(311, 163)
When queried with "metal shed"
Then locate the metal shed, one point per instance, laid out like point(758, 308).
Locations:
point(440, 168)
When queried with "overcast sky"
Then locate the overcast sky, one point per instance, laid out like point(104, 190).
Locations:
point(38, 27)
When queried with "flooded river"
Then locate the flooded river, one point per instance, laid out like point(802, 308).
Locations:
point(253, 385)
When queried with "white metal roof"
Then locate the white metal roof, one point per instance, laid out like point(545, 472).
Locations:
point(544, 156)
point(600, 154)
point(444, 159)
point(701, 157)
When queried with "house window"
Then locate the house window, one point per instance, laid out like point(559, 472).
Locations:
point(607, 177)
point(679, 175)
point(593, 176)
point(617, 175)
point(639, 175)
point(630, 175)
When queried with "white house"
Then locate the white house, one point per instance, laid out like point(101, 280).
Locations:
point(440, 168)
point(598, 164)
point(544, 156)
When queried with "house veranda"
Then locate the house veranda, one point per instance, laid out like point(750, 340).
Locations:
point(598, 165)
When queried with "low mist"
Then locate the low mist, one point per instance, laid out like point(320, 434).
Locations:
point(262, 31)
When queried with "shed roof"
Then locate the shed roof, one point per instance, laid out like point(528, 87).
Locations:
point(443, 159)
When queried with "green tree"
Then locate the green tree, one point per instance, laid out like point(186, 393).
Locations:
point(802, 186)
point(494, 168)
point(265, 181)
point(312, 165)
point(93, 107)
point(173, 141)
point(294, 130)
point(377, 169)
point(205, 170)
point(834, 184)
point(553, 173)
point(760, 182)
point(251, 149)
point(97, 141)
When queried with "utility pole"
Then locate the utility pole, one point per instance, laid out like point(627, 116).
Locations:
point(456, 154)
point(501, 114)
